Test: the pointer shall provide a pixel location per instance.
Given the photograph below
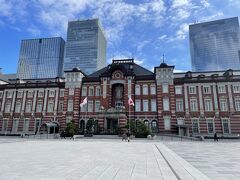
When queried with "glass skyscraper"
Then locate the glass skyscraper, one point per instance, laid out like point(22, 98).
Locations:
point(85, 46)
point(215, 45)
point(41, 58)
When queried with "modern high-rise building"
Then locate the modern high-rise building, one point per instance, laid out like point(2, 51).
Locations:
point(85, 46)
point(215, 45)
point(41, 58)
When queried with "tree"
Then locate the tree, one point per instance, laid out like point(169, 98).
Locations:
point(91, 125)
point(71, 128)
point(142, 130)
point(138, 128)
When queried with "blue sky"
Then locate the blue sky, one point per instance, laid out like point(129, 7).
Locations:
point(143, 29)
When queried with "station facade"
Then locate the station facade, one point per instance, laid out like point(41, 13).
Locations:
point(189, 103)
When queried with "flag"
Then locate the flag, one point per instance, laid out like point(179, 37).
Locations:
point(84, 102)
point(130, 101)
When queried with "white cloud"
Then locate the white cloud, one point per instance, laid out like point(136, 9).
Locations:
point(178, 71)
point(115, 14)
point(34, 31)
point(141, 45)
point(182, 32)
point(162, 37)
point(138, 61)
point(205, 3)
point(180, 3)
point(5, 8)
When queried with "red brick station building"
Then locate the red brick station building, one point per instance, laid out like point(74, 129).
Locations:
point(191, 103)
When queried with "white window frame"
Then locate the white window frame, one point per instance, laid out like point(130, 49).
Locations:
point(39, 108)
point(97, 106)
point(167, 123)
point(165, 88)
point(180, 121)
point(5, 124)
point(206, 89)
point(153, 105)
point(62, 93)
point(223, 128)
point(70, 105)
point(36, 128)
point(8, 106)
point(166, 104)
point(18, 106)
point(26, 124)
point(40, 93)
point(221, 89)
point(71, 91)
point(145, 89)
point(91, 91)
point(90, 105)
point(98, 91)
point(9, 94)
point(28, 107)
point(198, 127)
point(178, 89)
point(211, 120)
point(237, 103)
point(236, 88)
point(50, 106)
point(19, 94)
point(225, 107)
point(208, 104)
point(145, 105)
point(192, 90)
point(179, 105)
point(61, 104)
point(29, 94)
point(15, 125)
point(193, 106)
point(51, 93)
point(69, 119)
point(84, 91)
point(153, 89)
point(137, 105)
point(137, 90)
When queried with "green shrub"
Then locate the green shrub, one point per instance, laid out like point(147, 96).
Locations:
point(138, 128)
point(71, 129)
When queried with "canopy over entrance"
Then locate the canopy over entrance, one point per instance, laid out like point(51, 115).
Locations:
point(183, 129)
point(50, 127)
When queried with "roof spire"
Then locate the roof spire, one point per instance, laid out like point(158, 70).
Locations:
point(163, 58)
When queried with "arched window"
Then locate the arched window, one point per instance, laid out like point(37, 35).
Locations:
point(146, 122)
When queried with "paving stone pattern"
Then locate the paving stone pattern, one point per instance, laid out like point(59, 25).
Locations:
point(217, 160)
point(92, 159)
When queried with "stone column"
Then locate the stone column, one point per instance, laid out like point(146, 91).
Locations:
point(230, 98)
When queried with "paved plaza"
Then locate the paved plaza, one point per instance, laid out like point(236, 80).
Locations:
point(104, 159)
point(218, 160)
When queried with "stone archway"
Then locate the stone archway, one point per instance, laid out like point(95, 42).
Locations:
point(82, 126)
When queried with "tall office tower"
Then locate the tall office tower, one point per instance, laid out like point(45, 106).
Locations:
point(215, 45)
point(41, 58)
point(85, 46)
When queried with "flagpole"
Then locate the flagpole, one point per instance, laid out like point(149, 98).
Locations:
point(129, 119)
point(86, 119)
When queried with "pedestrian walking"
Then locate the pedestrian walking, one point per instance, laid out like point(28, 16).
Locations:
point(128, 136)
point(215, 137)
point(124, 137)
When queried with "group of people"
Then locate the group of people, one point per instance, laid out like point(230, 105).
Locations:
point(126, 136)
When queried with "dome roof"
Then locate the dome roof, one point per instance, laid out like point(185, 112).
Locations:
point(76, 69)
point(163, 65)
